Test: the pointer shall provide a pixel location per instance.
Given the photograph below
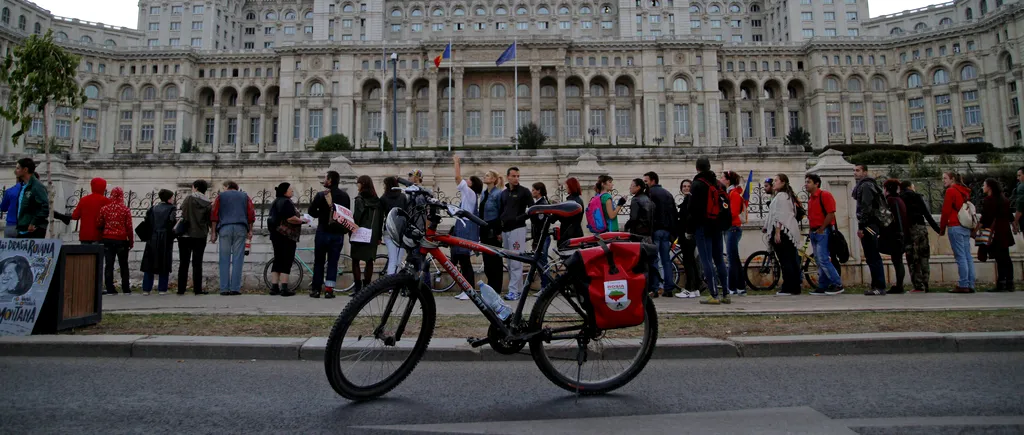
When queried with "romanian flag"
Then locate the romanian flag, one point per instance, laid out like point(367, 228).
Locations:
point(446, 55)
point(750, 185)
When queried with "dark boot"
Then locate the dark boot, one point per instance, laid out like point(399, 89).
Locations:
point(314, 293)
point(285, 292)
point(328, 293)
point(275, 290)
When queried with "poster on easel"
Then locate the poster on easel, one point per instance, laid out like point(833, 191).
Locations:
point(26, 268)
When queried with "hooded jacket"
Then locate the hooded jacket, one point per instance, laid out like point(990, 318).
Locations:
point(698, 204)
point(917, 210)
point(88, 211)
point(956, 196)
point(865, 194)
point(664, 209)
point(33, 205)
point(196, 209)
point(115, 219)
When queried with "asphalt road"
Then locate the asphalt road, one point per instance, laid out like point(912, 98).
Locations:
point(940, 393)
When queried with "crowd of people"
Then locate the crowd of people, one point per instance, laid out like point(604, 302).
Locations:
point(706, 226)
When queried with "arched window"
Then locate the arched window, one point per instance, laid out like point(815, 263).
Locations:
point(127, 94)
point(940, 77)
point(522, 10)
point(968, 72)
point(523, 91)
point(983, 7)
point(542, 11)
point(92, 92)
point(920, 26)
point(596, 90)
point(854, 85)
point(171, 93)
point(694, 9)
point(273, 15)
point(564, 10)
point(878, 84)
point(1009, 62)
point(481, 11)
point(423, 92)
point(348, 8)
point(606, 9)
point(584, 10)
point(250, 16)
point(473, 92)
point(458, 12)
point(572, 91)
point(755, 8)
point(896, 31)
point(831, 84)
point(290, 15)
point(734, 9)
point(500, 10)
point(86, 39)
point(316, 89)
point(437, 12)
point(21, 22)
point(37, 28)
point(498, 91)
point(621, 90)
point(396, 13)
point(547, 91)
point(946, 22)
point(914, 80)
point(308, 15)
point(374, 94)
point(860, 60)
point(680, 85)
point(969, 14)
point(148, 93)
point(714, 9)
point(5, 16)
point(61, 36)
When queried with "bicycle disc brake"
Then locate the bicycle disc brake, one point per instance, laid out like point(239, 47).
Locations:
point(502, 345)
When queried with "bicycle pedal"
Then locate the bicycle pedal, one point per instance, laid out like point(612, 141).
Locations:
point(477, 342)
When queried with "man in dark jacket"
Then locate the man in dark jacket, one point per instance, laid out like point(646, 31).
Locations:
point(664, 221)
point(33, 202)
point(515, 199)
point(195, 212)
point(708, 233)
point(868, 196)
point(88, 210)
point(330, 235)
point(916, 243)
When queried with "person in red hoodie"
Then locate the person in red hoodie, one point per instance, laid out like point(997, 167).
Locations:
point(959, 236)
point(88, 211)
point(115, 219)
point(737, 282)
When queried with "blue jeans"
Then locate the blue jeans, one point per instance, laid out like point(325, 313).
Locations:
point(827, 273)
point(663, 241)
point(732, 250)
point(960, 241)
point(709, 249)
point(874, 260)
point(232, 256)
point(147, 282)
point(542, 264)
point(326, 248)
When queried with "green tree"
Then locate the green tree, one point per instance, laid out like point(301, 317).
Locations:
point(40, 76)
point(798, 136)
point(334, 142)
point(531, 137)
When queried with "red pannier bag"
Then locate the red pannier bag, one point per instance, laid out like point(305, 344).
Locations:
point(612, 282)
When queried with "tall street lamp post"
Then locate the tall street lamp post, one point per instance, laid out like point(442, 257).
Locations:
point(394, 102)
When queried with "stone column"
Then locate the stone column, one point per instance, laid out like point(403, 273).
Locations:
point(613, 130)
point(739, 123)
point(263, 129)
point(954, 102)
point(817, 120)
point(408, 123)
point(670, 119)
point(216, 128)
point(534, 94)
point(304, 125)
point(869, 116)
point(106, 131)
point(136, 126)
point(638, 120)
point(695, 119)
point(560, 117)
point(997, 128)
point(762, 130)
point(786, 127)
point(240, 130)
point(179, 125)
point(845, 116)
point(76, 130)
point(929, 114)
point(1018, 75)
point(900, 128)
point(586, 114)
point(433, 133)
point(458, 116)
point(357, 130)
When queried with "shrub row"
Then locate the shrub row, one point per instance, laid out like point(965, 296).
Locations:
point(931, 149)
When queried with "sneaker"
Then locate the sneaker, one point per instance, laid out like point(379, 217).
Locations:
point(694, 294)
point(162, 293)
point(314, 294)
point(329, 293)
point(726, 300)
point(511, 296)
point(818, 292)
point(917, 290)
point(204, 292)
point(462, 296)
point(683, 294)
point(959, 289)
point(782, 293)
point(225, 293)
point(895, 290)
point(127, 293)
point(730, 292)
point(741, 292)
point(236, 293)
point(710, 300)
point(110, 293)
point(875, 292)
point(275, 290)
point(835, 290)
point(145, 293)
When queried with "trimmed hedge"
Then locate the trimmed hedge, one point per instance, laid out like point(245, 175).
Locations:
point(880, 157)
point(928, 150)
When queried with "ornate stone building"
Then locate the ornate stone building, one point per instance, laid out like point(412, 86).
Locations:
point(273, 76)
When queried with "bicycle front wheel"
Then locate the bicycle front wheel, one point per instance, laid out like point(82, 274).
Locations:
point(612, 358)
point(762, 271)
point(368, 352)
point(380, 266)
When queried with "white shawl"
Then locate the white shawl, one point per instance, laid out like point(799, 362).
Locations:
point(782, 213)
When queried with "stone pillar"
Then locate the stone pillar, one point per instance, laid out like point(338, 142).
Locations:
point(845, 116)
point(670, 119)
point(534, 94)
point(357, 130)
point(216, 129)
point(76, 130)
point(586, 115)
point(899, 119)
point(869, 116)
point(458, 116)
point(560, 117)
point(762, 130)
point(817, 120)
point(106, 129)
point(954, 102)
point(998, 130)
point(136, 126)
point(263, 130)
point(695, 119)
point(240, 130)
point(613, 130)
point(304, 125)
point(786, 127)
point(638, 120)
point(179, 125)
point(739, 123)
point(929, 114)
point(408, 123)
point(432, 133)
point(1018, 75)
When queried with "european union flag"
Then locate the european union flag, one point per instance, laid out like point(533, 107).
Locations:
point(509, 54)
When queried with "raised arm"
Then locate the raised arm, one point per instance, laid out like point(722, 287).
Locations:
point(458, 169)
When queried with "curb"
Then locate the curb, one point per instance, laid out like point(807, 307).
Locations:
point(454, 349)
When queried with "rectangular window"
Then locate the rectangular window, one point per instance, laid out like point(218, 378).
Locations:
point(89, 131)
point(662, 122)
point(498, 123)
point(831, 32)
point(523, 120)
point(607, 25)
point(208, 131)
point(296, 124)
point(808, 33)
point(694, 24)
point(944, 118)
point(881, 123)
point(437, 27)
point(682, 119)
point(832, 107)
point(176, 10)
point(154, 27)
point(547, 123)
point(835, 125)
point(269, 30)
point(175, 42)
point(197, 9)
point(794, 119)
point(232, 130)
point(597, 121)
point(197, 25)
point(723, 123)
point(565, 25)
point(124, 134)
point(62, 129)
point(334, 121)
point(522, 26)
point(373, 124)
point(307, 30)
point(623, 122)
point(146, 134)
point(770, 127)
point(170, 114)
point(716, 24)
point(153, 42)
point(126, 115)
point(583, 24)
point(748, 124)
point(972, 115)
point(942, 99)
point(422, 124)
point(830, 16)
point(254, 130)
point(154, 10)
point(289, 30)
point(572, 123)
point(473, 123)
point(170, 132)
point(735, 24)
point(852, 32)
point(857, 124)
point(316, 122)
point(807, 16)
point(197, 42)
point(970, 95)
point(917, 122)
point(916, 103)
point(346, 24)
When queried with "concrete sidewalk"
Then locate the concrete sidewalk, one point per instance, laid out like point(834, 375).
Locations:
point(302, 305)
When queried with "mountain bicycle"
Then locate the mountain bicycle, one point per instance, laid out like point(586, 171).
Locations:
point(763, 270)
point(368, 353)
point(300, 268)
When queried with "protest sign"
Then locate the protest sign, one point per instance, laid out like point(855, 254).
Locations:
point(26, 269)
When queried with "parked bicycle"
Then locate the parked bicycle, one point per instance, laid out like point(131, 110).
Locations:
point(300, 268)
point(763, 269)
point(366, 356)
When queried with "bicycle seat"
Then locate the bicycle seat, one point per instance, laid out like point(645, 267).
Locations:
point(564, 209)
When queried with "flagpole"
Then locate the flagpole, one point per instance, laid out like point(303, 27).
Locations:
point(515, 87)
point(384, 75)
point(450, 92)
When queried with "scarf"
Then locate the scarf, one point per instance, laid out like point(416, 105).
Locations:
point(782, 213)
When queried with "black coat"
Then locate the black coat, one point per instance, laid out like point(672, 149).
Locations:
point(157, 258)
point(572, 227)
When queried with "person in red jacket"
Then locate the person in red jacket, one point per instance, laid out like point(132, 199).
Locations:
point(959, 236)
point(737, 282)
point(116, 221)
point(88, 211)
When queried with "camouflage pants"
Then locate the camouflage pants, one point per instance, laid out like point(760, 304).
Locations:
point(918, 255)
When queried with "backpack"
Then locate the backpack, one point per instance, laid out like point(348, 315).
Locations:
point(882, 212)
point(717, 210)
point(968, 215)
point(596, 221)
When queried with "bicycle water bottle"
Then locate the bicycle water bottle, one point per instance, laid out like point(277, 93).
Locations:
point(493, 301)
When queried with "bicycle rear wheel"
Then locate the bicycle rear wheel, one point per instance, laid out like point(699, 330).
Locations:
point(365, 358)
point(440, 280)
point(810, 271)
point(345, 280)
point(294, 278)
point(380, 266)
point(762, 271)
point(613, 358)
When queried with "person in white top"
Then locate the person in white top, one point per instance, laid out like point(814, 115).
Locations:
point(463, 228)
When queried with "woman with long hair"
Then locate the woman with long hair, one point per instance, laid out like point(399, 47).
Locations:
point(390, 200)
point(605, 185)
point(158, 256)
point(572, 227)
point(691, 288)
point(996, 217)
point(959, 236)
point(641, 211)
point(366, 213)
point(284, 225)
point(469, 189)
point(785, 233)
point(734, 233)
point(895, 235)
point(916, 244)
point(490, 212)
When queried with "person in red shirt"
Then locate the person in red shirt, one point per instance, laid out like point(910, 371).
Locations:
point(959, 236)
point(115, 221)
point(88, 211)
point(821, 218)
point(737, 282)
